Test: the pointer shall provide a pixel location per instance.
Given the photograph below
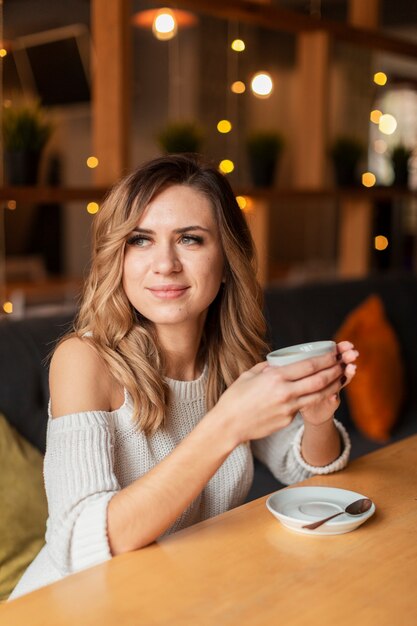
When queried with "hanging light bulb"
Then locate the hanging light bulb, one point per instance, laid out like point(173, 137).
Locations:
point(164, 26)
point(238, 45)
point(387, 124)
point(262, 85)
point(224, 126)
point(164, 22)
point(238, 87)
point(380, 78)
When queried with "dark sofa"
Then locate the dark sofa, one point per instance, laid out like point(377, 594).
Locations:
point(312, 312)
point(295, 314)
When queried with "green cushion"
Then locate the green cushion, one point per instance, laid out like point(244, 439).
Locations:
point(23, 506)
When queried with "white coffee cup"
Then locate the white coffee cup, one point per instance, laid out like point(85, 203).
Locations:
point(301, 351)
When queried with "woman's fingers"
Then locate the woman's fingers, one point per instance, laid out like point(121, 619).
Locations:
point(308, 367)
point(331, 391)
point(347, 352)
point(350, 371)
point(318, 381)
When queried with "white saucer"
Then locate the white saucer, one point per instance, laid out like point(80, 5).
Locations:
point(297, 506)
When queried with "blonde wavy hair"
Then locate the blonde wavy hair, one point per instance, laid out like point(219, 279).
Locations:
point(233, 336)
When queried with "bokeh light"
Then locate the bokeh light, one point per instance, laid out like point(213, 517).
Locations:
point(11, 205)
point(164, 26)
point(380, 78)
point(92, 208)
point(245, 203)
point(8, 307)
point(238, 87)
point(375, 116)
point(238, 45)
point(226, 166)
point(224, 126)
point(368, 179)
point(381, 242)
point(3, 52)
point(380, 146)
point(387, 124)
point(262, 85)
point(92, 162)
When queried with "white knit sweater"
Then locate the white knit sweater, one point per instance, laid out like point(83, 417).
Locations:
point(92, 455)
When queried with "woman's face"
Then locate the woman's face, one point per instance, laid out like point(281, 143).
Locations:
point(174, 262)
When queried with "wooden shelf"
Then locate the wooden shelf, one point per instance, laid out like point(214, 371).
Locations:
point(51, 194)
point(54, 195)
point(277, 18)
point(359, 193)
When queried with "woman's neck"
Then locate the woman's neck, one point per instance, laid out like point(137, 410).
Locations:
point(181, 352)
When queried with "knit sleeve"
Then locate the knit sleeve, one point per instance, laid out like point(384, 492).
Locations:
point(79, 482)
point(281, 453)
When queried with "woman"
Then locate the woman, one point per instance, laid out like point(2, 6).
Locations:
point(158, 392)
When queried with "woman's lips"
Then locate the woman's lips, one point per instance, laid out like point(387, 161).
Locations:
point(169, 292)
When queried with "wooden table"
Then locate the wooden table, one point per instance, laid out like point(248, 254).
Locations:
point(244, 568)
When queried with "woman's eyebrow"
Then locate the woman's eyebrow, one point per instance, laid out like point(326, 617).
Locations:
point(185, 229)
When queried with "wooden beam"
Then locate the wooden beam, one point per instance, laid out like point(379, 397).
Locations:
point(277, 18)
point(111, 88)
point(311, 112)
point(258, 221)
point(364, 14)
point(355, 229)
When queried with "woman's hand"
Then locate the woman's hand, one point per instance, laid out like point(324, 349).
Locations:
point(265, 399)
point(319, 412)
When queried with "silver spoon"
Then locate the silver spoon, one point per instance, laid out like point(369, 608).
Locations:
point(355, 508)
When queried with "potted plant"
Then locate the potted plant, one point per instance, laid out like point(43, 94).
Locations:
point(400, 156)
point(25, 134)
point(179, 137)
point(346, 152)
point(264, 149)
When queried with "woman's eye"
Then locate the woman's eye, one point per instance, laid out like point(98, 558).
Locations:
point(139, 241)
point(188, 240)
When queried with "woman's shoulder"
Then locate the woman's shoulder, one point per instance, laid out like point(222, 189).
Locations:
point(76, 351)
point(79, 379)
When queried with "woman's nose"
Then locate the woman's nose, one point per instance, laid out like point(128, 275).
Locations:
point(166, 260)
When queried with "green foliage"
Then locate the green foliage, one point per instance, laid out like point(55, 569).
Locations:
point(265, 144)
point(347, 149)
point(25, 128)
point(181, 137)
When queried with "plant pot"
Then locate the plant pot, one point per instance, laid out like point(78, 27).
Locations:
point(262, 170)
point(401, 175)
point(345, 174)
point(22, 166)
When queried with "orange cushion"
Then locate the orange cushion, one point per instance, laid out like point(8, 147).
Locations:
point(376, 393)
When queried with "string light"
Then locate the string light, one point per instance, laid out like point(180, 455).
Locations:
point(368, 179)
point(226, 166)
point(238, 45)
point(3, 52)
point(92, 208)
point(381, 242)
point(245, 203)
point(92, 162)
point(387, 124)
point(224, 126)
point(375, 116)
point(8, 307)
point(262, 85)
point(380, 78)
point(238, 87)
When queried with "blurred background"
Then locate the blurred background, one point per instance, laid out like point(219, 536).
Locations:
point(308, 106)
